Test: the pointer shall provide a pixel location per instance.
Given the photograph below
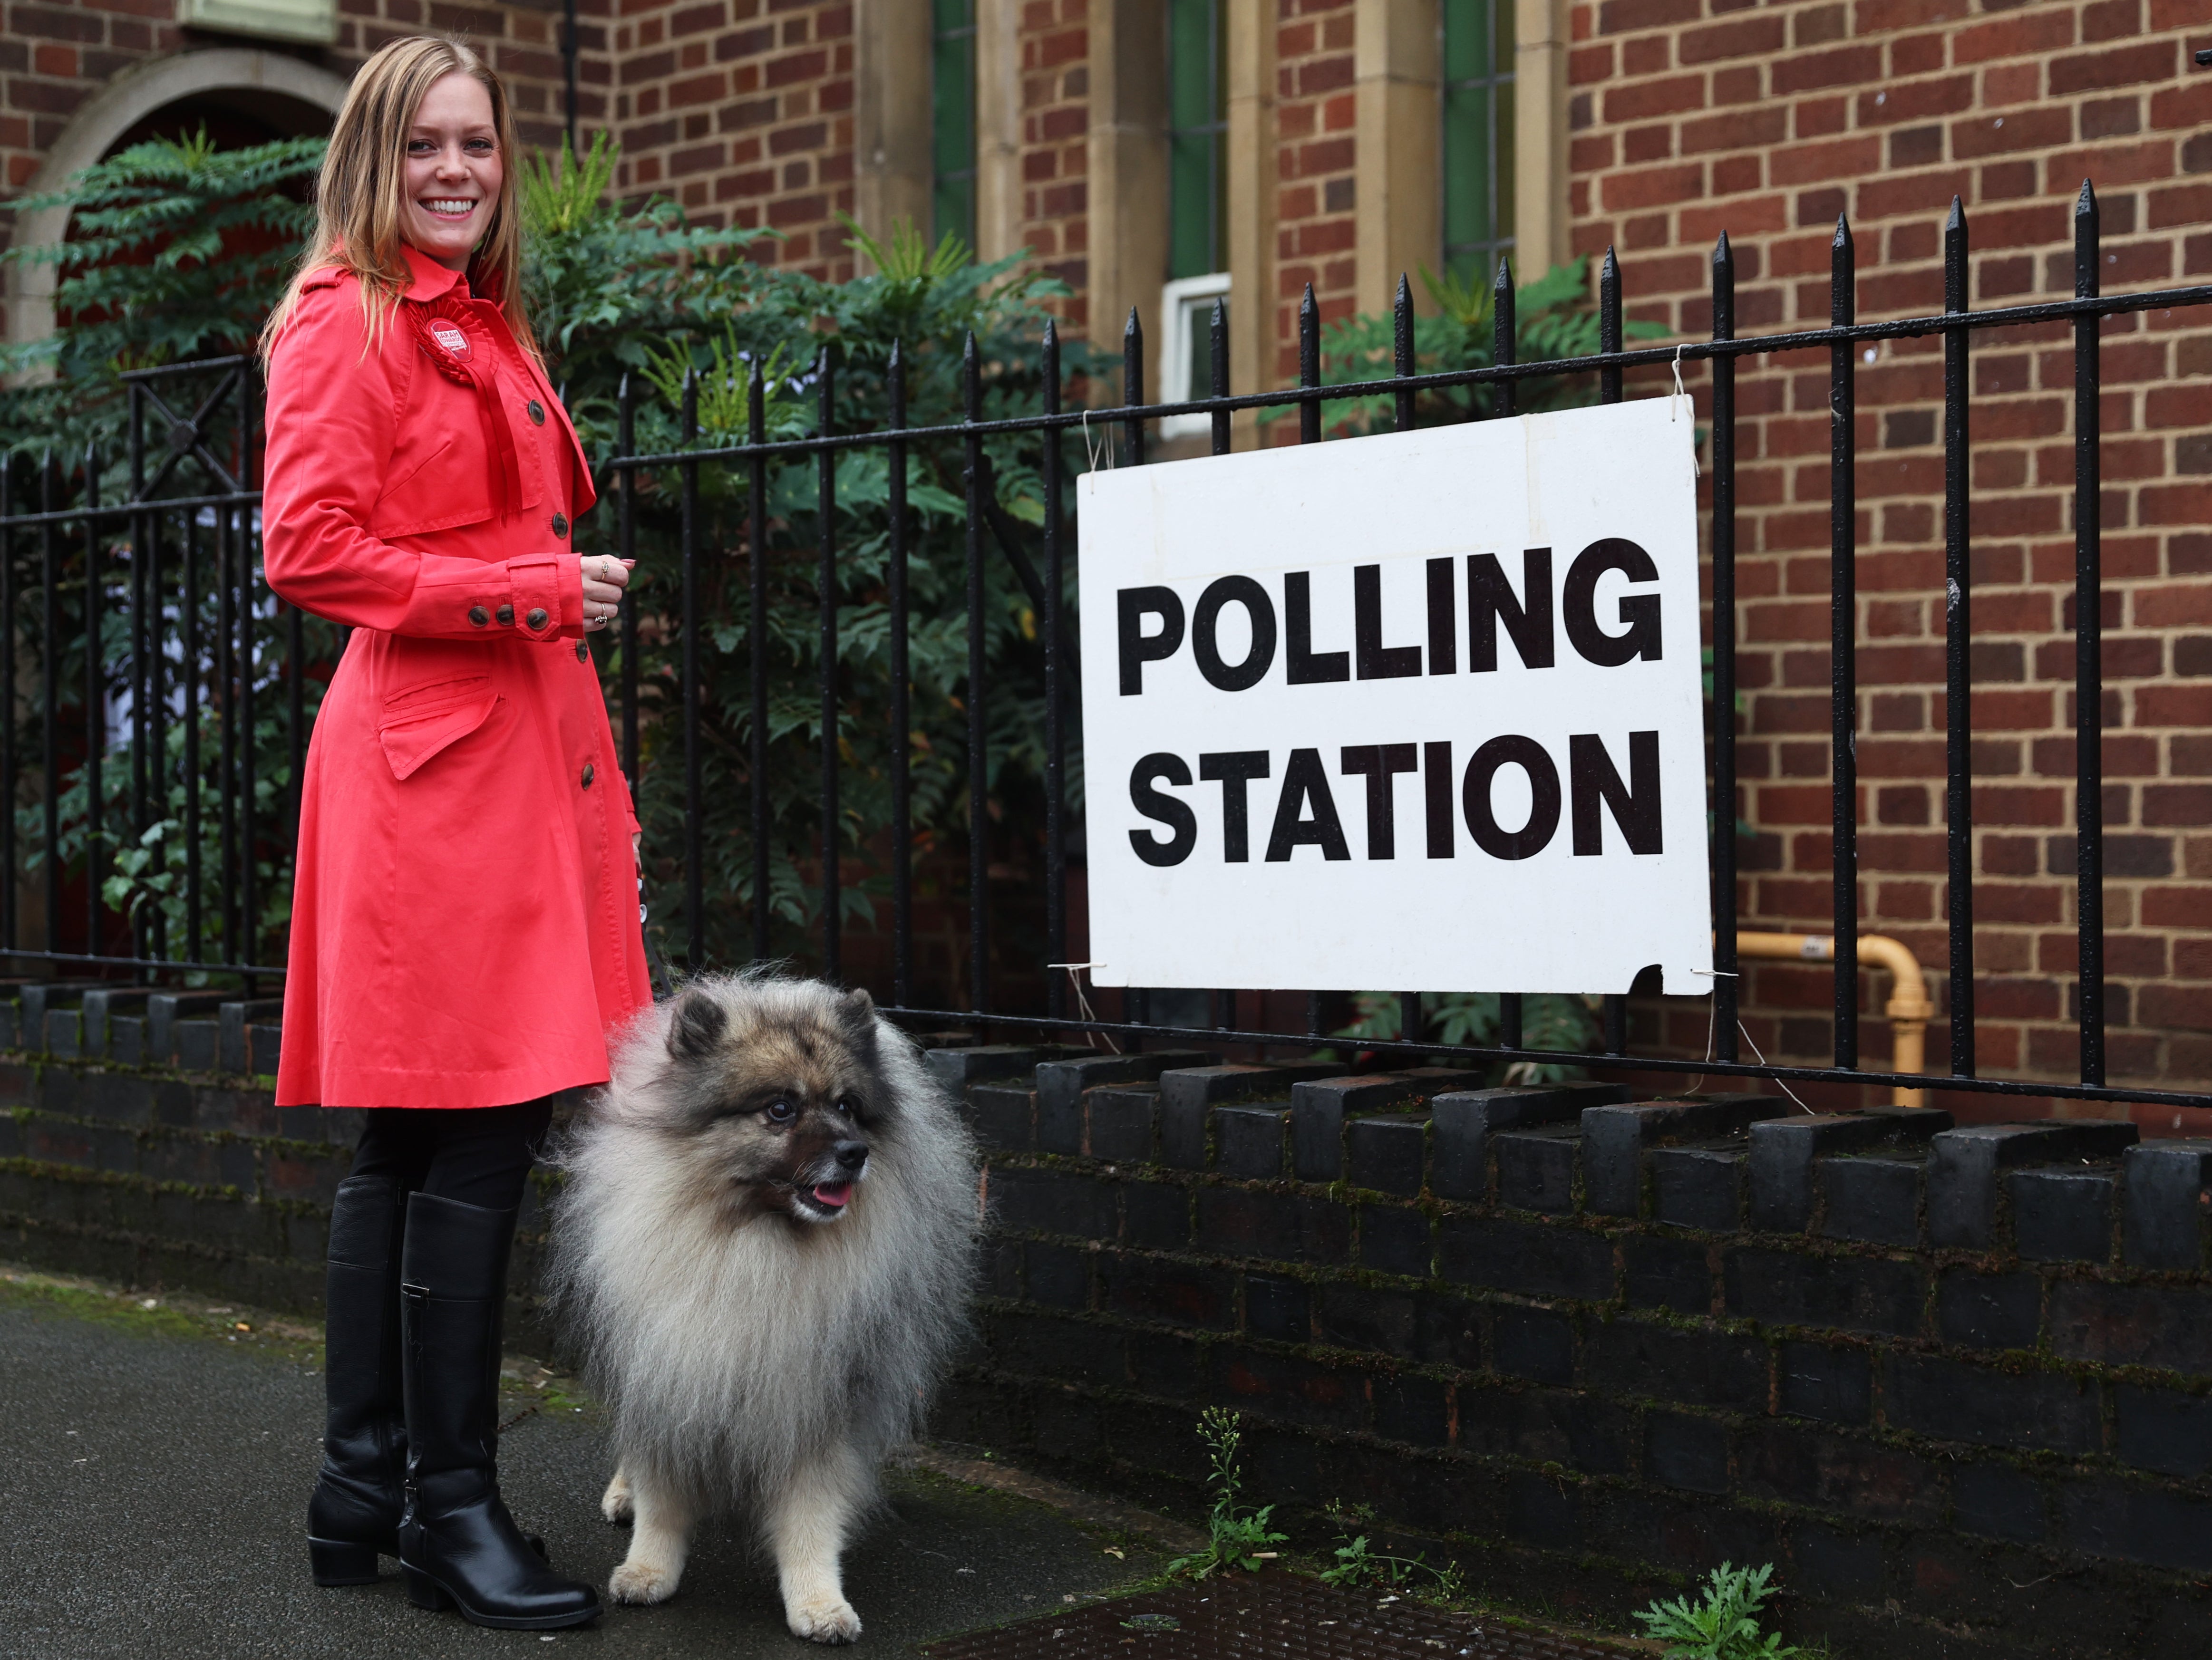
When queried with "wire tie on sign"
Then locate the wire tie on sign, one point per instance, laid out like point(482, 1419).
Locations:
point(1075, 969)
point(1092, 451)
point(1696, 471)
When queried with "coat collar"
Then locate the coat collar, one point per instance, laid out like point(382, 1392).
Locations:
point(431, 280)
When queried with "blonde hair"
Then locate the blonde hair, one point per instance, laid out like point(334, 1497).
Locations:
point(361, 193)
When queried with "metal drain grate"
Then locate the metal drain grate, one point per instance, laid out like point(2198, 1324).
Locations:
point(1272, 1616)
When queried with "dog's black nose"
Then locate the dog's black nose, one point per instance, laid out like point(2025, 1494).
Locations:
point(851, 1155)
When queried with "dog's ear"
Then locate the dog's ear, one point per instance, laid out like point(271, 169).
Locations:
point(695, 1025)
point(860, 1003)
point(856, 1015)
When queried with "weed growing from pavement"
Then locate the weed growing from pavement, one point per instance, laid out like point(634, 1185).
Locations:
point(1358, 1563)
point(1723, 1623)
point(1234, 1535)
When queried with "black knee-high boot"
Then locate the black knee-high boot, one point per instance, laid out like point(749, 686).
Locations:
point(457, 1542)
point(354, 1512)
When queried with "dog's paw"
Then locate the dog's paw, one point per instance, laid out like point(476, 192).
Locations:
point(825, 1620)
point(645, 1582)
point(615, 1503)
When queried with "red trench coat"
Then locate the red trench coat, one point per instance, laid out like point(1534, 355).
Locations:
point(465, 925)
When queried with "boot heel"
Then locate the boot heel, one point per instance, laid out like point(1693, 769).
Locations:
point(422, 1591)
point(336, 1563)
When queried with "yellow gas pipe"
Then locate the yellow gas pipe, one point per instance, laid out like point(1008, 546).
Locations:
point(1908, 1009)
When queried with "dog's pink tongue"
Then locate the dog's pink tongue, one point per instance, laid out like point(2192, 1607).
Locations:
point(833, 1194)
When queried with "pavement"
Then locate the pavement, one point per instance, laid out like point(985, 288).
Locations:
point(157, 1455)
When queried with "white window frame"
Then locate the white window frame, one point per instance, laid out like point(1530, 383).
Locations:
point(1183, 314)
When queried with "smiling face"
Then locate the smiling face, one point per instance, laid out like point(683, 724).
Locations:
point(454, 171)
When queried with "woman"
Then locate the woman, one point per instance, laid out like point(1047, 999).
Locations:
point(464, 935)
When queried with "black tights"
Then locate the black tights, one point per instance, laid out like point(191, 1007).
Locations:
point(479, 1155)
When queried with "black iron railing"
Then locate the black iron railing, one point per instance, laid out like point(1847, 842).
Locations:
point(239, 646)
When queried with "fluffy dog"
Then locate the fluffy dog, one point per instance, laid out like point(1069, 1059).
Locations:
point(764, 1252)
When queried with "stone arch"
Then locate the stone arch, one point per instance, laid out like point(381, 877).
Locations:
point(119, 105)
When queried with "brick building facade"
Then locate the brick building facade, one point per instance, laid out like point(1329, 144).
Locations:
point(1647, 125)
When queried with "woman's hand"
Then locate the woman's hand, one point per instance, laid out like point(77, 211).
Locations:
point(604, 578)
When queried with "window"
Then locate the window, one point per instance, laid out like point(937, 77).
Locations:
point(1198, 239)
point(952, 119)
point(1478, 135)
point(1198, 133)
point(313, 22)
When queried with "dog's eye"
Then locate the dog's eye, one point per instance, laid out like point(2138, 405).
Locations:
point(844, 1106)
point(782, 1111)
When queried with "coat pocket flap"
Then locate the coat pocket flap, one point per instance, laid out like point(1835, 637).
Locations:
point(418, 724)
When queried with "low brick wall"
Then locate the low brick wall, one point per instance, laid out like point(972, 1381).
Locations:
point(1956, 1383)
point(1951, 1382)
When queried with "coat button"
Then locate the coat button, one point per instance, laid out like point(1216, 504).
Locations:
point(583, 651)
point(587, 775)
point(478, 615)
point(506, 616)
point(535, 620)
point(560, 524)
point(537, 412)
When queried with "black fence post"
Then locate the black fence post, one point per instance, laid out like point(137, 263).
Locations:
point(978, 728)
point(901, 712)
point(695, 893)
point(1055, 672)
point(1504, 345)
point(1842, 640)
point(758, 637)
point(2088, 645)
point(1310, 433)
point(826, 552)
point(1723, 441)
point(1957, 651)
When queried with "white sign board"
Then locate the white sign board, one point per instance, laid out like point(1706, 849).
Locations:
point(1420, 710)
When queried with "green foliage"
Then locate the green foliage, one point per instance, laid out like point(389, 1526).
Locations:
point(1358, 1563)
point(1471, 1019)
point(178, 250)
point(1552, 318)
point(1236, 1537)
point(1721, 1625)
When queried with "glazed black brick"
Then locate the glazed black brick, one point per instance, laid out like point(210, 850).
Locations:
point(1537, 1168)
point(1526, 1259)
point(1156, 1215)
point(1657, 1272)
point(1964, 1165)
point(1465, 1119)
point(1249, 1141)
point(1849, 1293)
point(1635, 1359)
point(1988, 1311)
point(1285, 1226)
point(1784, 1152)
point(1002, 1269)
point(1350, 1315)
point(1447, 1331)
point(1203, 1087)
point(1998, 1501)
point(1534, 1343)
point(1833, 1385)
point(1546, 1426)
point(2162, 1430)
point(1393, 1239)
point(1384, 1152)
point(2169, 1327)
point(1686, 1452)
point(1060, 1086)
point(2136, 1523)
point(1277, 1307)
point(1413, 1409)
point(1616, 1138)
point(1122, 1125)
point(1841, 1473)
point(2167, 1184)
point(1055, 1346)
point(1057, 1276)
point(1045, 1201)
point(1169, 1366)
point(2061, 1215)
point(1003, 1116)
point(1542, 1513)
point(1847, 1567)
point(1699, 1187)
point(1872, 1199)
point(1953, 1401)
point(1292, 1389)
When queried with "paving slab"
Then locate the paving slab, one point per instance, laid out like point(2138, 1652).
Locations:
point(153, 1478)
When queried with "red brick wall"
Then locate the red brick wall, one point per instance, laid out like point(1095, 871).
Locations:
point(1315, 113)
point(1694, 116)
point(742, 110)
point(1054, 223)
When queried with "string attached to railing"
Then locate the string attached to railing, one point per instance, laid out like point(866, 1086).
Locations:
point(1696, 471)
point(1075, 980)
point(1092, 451)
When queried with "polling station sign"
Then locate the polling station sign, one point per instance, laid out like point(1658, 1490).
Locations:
point(1418, 709)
